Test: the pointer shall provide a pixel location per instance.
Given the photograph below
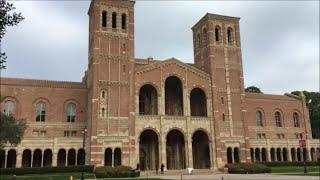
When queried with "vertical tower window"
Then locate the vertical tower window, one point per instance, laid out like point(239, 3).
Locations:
point(229, 33)
point(8, 108)
point(222, 100)
point(199, 41)
point(114, 20)
point(205, 37)
point(103, 94)
point(104, 18)
point(223, 117)
point(103, 112)
point(277, 117)
point(41, 112)
point(259, 118)
point(296, 121)
point(217, 33)
point(124, 21)
point(71, 112)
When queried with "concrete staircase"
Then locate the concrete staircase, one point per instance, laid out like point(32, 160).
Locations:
point(179, 172)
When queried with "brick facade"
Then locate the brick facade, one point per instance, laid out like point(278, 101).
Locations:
point(151, 112)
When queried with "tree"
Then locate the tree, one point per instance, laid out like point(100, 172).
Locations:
point(7, 18)
point(253, 89)
point(313, 104)
point(12, 130)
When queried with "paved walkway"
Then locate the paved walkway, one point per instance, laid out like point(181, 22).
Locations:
point(239, 177)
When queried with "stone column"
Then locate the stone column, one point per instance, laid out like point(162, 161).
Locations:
point(76, 158)
point(163, 153)
point(54, 159)
point(31, 165)
point(289, 155)
point(281, 155)
point(42, 159)
point(66, 164)
point(189, 148)
point(309, 155)
point(268, 157)
point(232, 154)
point(254, 155)
point(211, 155)
point(112, 159)
point(301, 154)
point(5, 159)
point(260, 155)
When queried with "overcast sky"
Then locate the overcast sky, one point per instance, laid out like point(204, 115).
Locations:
point(280, 40)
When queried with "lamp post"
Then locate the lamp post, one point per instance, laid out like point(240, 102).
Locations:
point(84, 131)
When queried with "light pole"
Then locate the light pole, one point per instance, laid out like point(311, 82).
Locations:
point(84, 132)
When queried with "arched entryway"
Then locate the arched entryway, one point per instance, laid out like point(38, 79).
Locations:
point(47, 158)
point(198, 102)
point(148, 100)
point(11, 158)
point(71, 157)
point(236, 155)
point(200, 150)
point(175, 147)
point(149, 150)
point(62, 155)
point(81, 157)
point(257, 155)
point(273, 154)
point(293, 154)
point(284, 154)
point(117, 157)
point(173, 96)
point(108, 157)
point(264, 154)
point(279, 155)
point(229, 155)
point(26, 158)
point(37, 158)
point(2, 158)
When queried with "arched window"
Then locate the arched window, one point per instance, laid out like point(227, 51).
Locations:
point(296, 120)
point(41, 112)
point(229, 33)
point(148, 100)
point(103, 94)
point(217, 33)
point(124, 21)
point(104, 18)
point(277, 117)
point(71, 112)
point(114, 20)
point(259, 118)
point(198, 102)
point(8, 108)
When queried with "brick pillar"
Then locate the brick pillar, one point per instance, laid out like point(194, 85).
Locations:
point(189, 152)
point(163, 153)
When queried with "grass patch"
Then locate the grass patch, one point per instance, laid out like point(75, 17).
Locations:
point(294, 169)
point(302, 174)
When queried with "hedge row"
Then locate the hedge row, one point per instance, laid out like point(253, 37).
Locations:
point(45, 170)
point(247, 168)
point(294, 163)
point(115, 172)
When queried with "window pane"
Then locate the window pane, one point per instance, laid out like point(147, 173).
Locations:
point(8, 107)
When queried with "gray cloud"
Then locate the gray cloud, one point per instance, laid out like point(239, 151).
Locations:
point(280, 40)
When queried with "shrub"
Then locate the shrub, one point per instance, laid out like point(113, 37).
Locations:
point(294, 163)
point(45, 170)
point(115, 172)
point(247, 168)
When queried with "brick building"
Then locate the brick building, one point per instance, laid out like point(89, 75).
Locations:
point(149, 112)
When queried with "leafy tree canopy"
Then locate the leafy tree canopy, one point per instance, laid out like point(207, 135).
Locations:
point(313, 104)
point(12, 130)
point(253, 89)
point(7, 18)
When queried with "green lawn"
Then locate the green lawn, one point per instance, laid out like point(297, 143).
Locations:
point(294, 169)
